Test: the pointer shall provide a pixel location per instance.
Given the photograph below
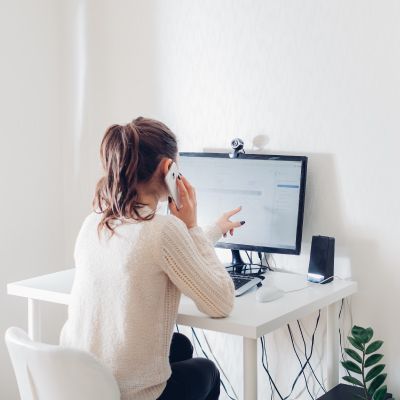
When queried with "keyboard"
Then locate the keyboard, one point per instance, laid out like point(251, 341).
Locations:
point(243, 283)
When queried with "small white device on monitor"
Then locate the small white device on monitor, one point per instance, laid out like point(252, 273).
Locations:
point(170, 181)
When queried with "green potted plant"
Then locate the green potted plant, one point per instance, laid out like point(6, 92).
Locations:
point(365, 362)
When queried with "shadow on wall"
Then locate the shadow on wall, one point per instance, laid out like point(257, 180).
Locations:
point(109, 75)
point(324, 203)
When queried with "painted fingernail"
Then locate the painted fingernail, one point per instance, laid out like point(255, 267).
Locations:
point(169, 199)
point(179, 177)
point(242, 222)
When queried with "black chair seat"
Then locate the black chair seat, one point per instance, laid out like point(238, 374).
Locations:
point(345, 392)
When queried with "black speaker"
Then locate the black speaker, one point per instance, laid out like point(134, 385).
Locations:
point(322, 259)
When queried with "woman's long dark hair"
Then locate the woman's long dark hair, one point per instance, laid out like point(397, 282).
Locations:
point(130, 155)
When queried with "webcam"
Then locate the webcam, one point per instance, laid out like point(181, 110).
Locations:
point(237, 146)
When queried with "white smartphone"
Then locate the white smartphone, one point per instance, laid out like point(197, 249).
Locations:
point(170, 181)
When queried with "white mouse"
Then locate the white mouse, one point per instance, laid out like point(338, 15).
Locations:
point(268, 293)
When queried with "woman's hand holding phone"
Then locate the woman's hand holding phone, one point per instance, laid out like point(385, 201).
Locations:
point(188, 210)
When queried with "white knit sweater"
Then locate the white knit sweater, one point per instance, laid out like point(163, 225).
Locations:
point(126, 293)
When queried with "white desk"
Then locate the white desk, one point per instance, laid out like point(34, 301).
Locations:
point(248, 319)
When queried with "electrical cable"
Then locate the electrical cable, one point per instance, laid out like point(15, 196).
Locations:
point(261, 263)
point(322, 382)
point(266, 361)
point(307, 362)
point(250, 266)
point(308, 358)
point(310, 284)
point(298, 358)
point(349, 308)
point(340, 339)
point(194, 345)
point(305, 353)
point(247, 266)
point(297, 290)
point(248, 256)
point(218, 364)
point(206, 356)
point(267, 262)
point(273, 259)
point(333, 276)
point(265, 258)
point(341, 308)
point(266, 369)
point(264, 354)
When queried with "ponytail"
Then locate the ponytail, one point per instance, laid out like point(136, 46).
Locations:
point(130, 155)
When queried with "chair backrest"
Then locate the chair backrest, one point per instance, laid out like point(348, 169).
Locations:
point(47, 372)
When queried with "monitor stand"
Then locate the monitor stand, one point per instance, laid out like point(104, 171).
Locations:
point(237, 264)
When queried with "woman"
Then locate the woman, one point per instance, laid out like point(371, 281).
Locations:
point(133, 264)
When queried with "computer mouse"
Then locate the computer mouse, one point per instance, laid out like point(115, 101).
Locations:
point(268, 293)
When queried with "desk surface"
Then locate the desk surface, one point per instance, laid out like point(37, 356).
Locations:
point(248, 318)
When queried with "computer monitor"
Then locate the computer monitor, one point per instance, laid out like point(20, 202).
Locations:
point(270, 189)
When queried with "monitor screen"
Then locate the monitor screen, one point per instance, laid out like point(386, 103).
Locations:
point(269, 188)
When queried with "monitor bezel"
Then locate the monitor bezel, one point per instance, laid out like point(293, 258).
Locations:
point(300, 217)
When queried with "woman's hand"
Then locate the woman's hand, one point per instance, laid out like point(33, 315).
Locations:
point(226, 225)
point(188, 210)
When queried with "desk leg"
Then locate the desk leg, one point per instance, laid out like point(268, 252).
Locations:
point(34, 321)
point(249, 369)
point(332, 354)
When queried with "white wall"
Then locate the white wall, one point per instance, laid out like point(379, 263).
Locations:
point(109, 74)
point(316, 78)
point(31, 202)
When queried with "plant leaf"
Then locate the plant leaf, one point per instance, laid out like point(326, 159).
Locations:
point(371, 360)
point(373, 372)
point(376, 383)
point(358, 345)
point(368, 333)
point(358, 333)
point(353, 354)
point(357, 330)
point(361, 334)
point(351, 366)
point(380, 394)
point(353, 380)
point(374, 346)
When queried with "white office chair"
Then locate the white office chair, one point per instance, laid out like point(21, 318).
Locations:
point(47, 372)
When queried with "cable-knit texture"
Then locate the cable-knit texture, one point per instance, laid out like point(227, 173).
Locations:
point(126, 293)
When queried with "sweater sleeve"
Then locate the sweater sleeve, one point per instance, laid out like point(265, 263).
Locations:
point(213, 233)
point(189, 260)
